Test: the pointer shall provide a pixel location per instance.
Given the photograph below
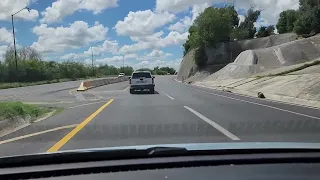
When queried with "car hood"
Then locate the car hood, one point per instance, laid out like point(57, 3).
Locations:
point(214, 146)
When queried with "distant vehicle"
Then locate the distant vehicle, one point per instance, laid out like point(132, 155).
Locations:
point(168, 73)
point(141, 80)
point(121, 75)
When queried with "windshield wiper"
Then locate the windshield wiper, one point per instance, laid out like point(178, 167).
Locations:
point(166, 150)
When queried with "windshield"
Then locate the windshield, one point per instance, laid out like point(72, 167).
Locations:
point(82, 74)
point(140, 75)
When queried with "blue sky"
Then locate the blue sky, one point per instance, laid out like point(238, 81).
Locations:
point(147, 32)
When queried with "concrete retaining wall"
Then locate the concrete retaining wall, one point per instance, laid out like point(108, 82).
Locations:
point(85, 85)
point(227, 53)
point(251, 62)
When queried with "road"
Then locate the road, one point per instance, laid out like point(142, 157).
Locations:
point(177, 113)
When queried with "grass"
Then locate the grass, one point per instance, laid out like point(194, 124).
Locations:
point(304, 66)
point(9, 110)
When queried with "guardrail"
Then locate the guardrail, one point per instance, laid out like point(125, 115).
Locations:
point(85, 85)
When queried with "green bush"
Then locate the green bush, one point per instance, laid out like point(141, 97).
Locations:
point(9, 110)
point(200, 57)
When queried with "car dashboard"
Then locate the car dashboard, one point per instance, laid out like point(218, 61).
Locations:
point(238, 166)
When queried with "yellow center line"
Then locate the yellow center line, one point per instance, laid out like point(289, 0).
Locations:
point(66, 138)
point(37, 133)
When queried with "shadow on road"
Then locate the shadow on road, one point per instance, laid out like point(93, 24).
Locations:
point(144, 92)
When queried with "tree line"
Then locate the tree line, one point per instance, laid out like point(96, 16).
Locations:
point(159, 70)
point(305, 21)
point(32, 68)
point(217, 25)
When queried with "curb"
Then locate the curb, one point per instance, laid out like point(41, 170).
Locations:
point(13, 127)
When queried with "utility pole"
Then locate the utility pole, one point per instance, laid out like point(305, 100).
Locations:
point(92, 58)
point(14, 36)
point(92, 62)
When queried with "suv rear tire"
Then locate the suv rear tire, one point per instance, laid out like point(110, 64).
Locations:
point(152, 91)
point(131, 91)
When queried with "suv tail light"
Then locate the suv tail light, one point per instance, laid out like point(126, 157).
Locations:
point(152, 80)
point(129, 80)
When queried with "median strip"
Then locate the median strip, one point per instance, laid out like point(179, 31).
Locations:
point(85, 85)
point(66, 138)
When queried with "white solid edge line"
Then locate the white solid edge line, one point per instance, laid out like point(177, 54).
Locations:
point(284, 110)
point(126, 88)
point(269, 100)
point(168, 95)
point(86, 104)
point(213, 124)
point(252, 97)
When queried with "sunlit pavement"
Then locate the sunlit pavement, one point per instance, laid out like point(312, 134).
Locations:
point(176, 113)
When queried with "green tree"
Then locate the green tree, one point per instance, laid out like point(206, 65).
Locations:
point(239, 34)
point(200, 57)
point(303, 23)
point(187, 47)
point(248, 24)
point(127, 70)
point(265, 31)
point(307, 5)
point(214, 25)
point(234, 15)
point(286, 21)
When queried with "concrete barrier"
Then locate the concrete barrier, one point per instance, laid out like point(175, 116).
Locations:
point(85, 85)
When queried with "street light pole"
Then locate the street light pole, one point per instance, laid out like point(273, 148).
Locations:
point(14, 36)
point(14, 43)
point(92, 58)
point(92, 62)
point(122, 62)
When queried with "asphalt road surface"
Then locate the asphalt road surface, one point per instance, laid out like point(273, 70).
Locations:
point(177, 113)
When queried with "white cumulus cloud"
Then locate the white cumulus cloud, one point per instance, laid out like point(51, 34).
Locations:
point(9, 7)
point(173, 38)
point(116, 59)
point(5, 36)
point(61, 38)
point(106, 46)
point(3, 49)
point(155, 55)
point(182, 25)
point(73, 56)
point(270, 14)
point(59, 9)
point(142, 23)
point(179, 5)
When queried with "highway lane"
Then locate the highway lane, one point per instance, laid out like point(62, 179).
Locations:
point(176, 113)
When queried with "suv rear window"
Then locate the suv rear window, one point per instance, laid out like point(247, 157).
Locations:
point(141, 74)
